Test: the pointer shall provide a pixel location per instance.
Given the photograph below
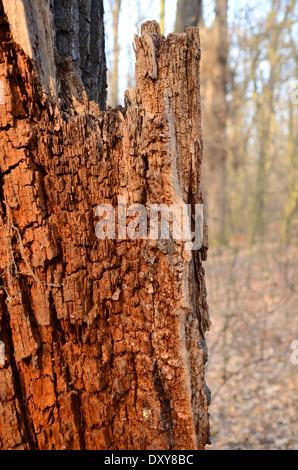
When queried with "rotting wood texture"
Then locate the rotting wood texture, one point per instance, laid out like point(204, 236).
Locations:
point(104, 340)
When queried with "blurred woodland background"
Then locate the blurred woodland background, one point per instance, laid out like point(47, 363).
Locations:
point(249, 88)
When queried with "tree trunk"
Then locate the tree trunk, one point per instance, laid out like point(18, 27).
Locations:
point(189, 13)
point(79, 31)
point(104, 339)
point(115, 9)
point(214, 108)
point(162, 16)
point(214, 122)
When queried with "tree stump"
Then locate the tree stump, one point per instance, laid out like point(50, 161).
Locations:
point(104, 339)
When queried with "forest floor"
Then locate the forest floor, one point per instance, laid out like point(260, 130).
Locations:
point(253, 303)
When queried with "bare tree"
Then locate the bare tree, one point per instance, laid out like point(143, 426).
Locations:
point(214, 119)
point(115, 6)
point(189, 12)
point(214, 108)
point(162, 16)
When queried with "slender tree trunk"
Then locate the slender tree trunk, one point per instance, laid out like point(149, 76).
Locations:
point(162, 16)
point(115, 8)
point(189, 13)
point(104, 339)
point(214, 108)
point(214, 80)
point(291, 205)
point(267, 122)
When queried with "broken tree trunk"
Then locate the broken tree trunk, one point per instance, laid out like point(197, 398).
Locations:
point(104, 339)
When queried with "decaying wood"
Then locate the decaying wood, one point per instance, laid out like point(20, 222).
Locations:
point(104, 340)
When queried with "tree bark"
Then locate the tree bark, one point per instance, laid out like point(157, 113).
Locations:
point(79, 29)
point(104, 339)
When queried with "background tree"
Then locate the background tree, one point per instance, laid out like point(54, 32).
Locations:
point(189, 12)
point(214, 107)
point(162, 16)
point(115, 6)
point(79, 30)
point(214, 112)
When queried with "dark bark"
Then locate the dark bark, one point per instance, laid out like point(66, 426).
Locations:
point(79, 28)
